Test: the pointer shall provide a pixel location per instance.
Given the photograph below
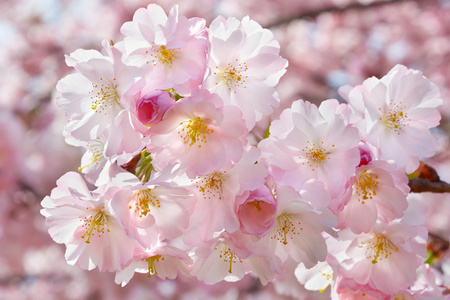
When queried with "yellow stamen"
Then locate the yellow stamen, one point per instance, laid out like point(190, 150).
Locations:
point(151, 264)
point(395, 118)
point(378, 248)
point(285, 229)
point(229, 257)
point(97, 221)
point(211, 185)
point(195, 131)
point(315, 155)
point(366, 186)
point(143, 201)
point(104, 96)
point(163, 55)
point(233, 75)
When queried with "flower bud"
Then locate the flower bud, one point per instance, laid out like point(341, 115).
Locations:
point(364, 152)
point(151, 108)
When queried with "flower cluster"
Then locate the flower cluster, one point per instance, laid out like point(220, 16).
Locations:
point(175, 184)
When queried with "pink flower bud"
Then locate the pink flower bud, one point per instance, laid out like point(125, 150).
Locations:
point(366, 156)
point(151, 108)
point(257, 214)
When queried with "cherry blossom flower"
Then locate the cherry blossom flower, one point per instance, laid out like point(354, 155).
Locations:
point(95, 99)
point(394, 246)
point(162, 260)
point(377, 191)
point(218, 191)
point(198, 134)
point(219, 259)
point(398, 110)
point(226, 257)
point(298, 229)
point(84, 223)
point(170, 47)
point(309, 142)
point(244, 66)
point(152, 211)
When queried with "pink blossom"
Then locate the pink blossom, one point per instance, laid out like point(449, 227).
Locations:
point(162, 260)
point(398, 109)
point(171, 48)
point(244, 66)
point(96, 99)
point(298, 229)
point(377, 191)
point(84, 223)
point(199, 134)
point(152, 211)
point(257, 213)
point(226, 257)
point(396, 247)
point(218, 191)
point(219, 259)
point(309, 142)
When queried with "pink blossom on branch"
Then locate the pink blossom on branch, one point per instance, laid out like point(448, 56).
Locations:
point(220, 192)
point(393, 246)
point(199, 134)
point(84, 222)
point(377, 191)
point(309, 142)
point(171, 48)
point(96, 99)
point(397, 113)
point(244, 66)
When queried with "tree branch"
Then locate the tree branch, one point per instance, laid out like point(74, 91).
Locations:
point(426, 179)
point(421, 185)
point(315, 13)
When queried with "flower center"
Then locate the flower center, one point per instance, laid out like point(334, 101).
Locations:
point(395, 118)
point(211, 185)
point(366, 186)
point(163, 55)
point(104, 96)
point(315, 155)
point(228, 256)
point(195, 131)
point(285, 229)
point(232, 75)
point(143, 200)
point(256, 204)
point(378, 248)
point(151, 264)
point(93, 222)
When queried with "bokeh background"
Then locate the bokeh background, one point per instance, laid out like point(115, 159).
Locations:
point(329, 43)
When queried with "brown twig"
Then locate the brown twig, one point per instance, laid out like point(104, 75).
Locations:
point(131, 165)
point(426, 179)
point(315, 13)
point(421, 185)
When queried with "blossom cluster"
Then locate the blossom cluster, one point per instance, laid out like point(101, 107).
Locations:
point(176, 182)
